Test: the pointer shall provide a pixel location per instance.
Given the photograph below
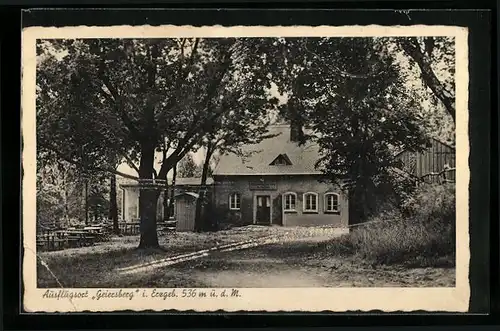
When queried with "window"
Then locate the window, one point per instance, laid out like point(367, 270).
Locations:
point(331, 202)
point(263, 201)
point(234, 201)
point(281, 160)
point(310, 202)
point(289, 201)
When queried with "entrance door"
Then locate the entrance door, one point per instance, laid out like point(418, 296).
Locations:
point(185, 213)
point(263, 209)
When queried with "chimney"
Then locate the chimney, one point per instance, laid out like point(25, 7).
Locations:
point(296, 133)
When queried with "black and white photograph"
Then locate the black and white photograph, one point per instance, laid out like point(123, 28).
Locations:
point(241, 168)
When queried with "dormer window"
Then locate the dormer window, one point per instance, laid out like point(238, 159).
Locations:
point(281, 160)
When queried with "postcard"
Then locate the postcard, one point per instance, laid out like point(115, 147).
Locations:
point(245, 168)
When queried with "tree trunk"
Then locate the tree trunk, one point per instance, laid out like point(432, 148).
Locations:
point(166, 210)
point(113, 205)
point(66, 207)
point(172, 192)
point(198, 222)
point(163, 174)
point(86, 201)
point(148, 199)
point(147, 212)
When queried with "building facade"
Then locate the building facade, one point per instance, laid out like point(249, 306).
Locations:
point(276, 183)
point(131, 190)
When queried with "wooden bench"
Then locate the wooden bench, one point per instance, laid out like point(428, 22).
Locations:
point(72, 242)
point(50, 243)
point(168, 226)
point(80, 238)
point(101, 233)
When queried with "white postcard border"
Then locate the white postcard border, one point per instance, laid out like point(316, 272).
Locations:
point(455, 299)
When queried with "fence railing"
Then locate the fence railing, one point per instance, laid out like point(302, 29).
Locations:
point(132, 228)
point(442, 177)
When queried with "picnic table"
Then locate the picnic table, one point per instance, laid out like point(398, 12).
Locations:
point(53, 239)
point(93, 228)
point(167, 226)
point(102, 233)
point(80, 238)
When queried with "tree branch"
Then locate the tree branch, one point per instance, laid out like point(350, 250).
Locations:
point(162, 174)
point(181, 62)
point(337, 69)
point(152, 69)
point(195, 133)
point(116, 99)
point(131, 163)
point(182, 74)
point(194, 51)
point(212, 89)
point(63, 157)
point(411, 47)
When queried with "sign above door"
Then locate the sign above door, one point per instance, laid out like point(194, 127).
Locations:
point(258, 186)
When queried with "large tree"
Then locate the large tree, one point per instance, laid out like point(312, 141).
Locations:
point(360, 113)
point(101, 98)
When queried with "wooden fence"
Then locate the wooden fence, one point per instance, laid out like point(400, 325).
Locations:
point(442, 177)
point(433, 164)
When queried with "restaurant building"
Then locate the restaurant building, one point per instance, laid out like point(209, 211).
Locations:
point(276, 183)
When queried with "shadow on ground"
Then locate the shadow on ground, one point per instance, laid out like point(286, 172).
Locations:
point(304, 262)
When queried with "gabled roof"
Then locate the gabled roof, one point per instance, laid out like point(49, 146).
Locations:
point(261, 155)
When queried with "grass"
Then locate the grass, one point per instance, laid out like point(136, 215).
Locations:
point(398, 242)
point(421, 234)
point(95, 266)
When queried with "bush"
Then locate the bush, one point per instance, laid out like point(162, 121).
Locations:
point(222, 219)
point(432, 203)
point(421, 234)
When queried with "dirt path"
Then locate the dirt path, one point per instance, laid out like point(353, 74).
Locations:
point(295, 263)
point(255, 267)
point(272, 262)
point(275, 261)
